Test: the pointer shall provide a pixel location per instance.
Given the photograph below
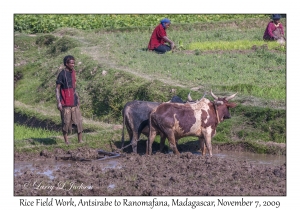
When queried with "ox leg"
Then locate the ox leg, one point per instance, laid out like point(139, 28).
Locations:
point(172, 142)
point(134, 143)
point(162, 142)
point(208, 143)
point(150, 141)
point(130, 136)
point(202, 145)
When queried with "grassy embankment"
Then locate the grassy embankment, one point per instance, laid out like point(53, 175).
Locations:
point(133, 73)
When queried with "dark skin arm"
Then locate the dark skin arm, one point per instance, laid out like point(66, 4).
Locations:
point(166, 39)
point(57, 93)
point(77, 98)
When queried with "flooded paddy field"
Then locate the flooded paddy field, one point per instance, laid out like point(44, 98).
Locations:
point(86, 172)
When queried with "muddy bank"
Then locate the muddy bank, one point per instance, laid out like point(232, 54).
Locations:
point(138, 175)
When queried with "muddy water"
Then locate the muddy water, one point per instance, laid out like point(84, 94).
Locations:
point(52, 165)
point(34, 166)
point(250, 157)
point(227, 173)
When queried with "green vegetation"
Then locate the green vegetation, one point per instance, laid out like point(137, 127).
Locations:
point(114, 67)
point(234, 45)
point(34, 140)
point(23, 132)
point(31, 23)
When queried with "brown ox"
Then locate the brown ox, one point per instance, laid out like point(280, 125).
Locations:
point(135, 118)
point(174, 121)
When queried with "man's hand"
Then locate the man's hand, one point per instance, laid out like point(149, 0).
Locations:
point(59, 106)
point(78, 101)
point(172, 45)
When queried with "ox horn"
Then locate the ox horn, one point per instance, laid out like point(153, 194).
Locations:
point(204, 95)
point(189, 97)
point(213, 95)
point(230, 97)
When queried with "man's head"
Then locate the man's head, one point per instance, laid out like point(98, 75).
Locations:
point(68, 58)
point(276, 18)
point(69, 62)
point(166, 23)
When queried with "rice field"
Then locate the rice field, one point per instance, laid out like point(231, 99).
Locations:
point(234, 45)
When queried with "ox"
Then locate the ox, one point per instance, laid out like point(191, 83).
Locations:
point(135, 118)
point(174, 121)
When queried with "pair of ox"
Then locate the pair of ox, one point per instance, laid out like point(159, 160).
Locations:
point(135, 118)
point(177, 120)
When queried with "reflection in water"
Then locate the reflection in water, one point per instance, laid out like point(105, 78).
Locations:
point(111, 186)
point(21, 166)
point(251, 157)
point(110, 164)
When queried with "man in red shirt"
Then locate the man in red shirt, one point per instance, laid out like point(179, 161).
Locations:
point(274, 30)
point(68, 100)
point(159, 38)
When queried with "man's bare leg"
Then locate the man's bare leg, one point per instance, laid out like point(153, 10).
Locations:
point(65, 134)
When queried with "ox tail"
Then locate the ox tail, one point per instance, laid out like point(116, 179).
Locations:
point(122, 140)
point(148, 141)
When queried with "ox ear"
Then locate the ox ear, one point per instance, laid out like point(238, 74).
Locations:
point(231, 105)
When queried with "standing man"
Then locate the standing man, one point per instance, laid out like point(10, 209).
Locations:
point(159, 38)
point(68, 100)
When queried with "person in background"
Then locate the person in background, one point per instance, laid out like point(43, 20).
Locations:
point(68, 100)
point(274, 30)
point(159, 38)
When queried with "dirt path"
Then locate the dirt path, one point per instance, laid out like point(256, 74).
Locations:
point(93, 52)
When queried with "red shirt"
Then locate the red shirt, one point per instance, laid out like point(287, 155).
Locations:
point(157, 37)
point(67, 80)
point(271, 28)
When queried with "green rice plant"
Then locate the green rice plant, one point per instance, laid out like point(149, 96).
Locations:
point(234, 45)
